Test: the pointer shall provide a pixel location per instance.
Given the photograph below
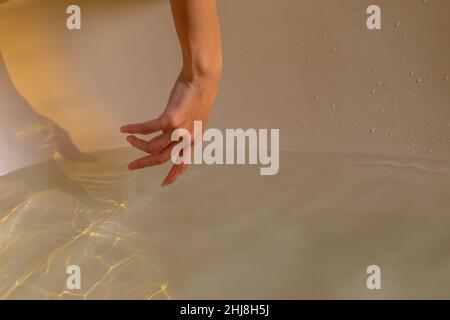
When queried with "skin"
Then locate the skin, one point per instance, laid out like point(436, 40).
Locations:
point(195, 90)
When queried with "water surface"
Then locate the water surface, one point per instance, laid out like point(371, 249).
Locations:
point(225, 231)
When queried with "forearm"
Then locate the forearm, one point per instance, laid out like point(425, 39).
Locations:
point(198, 29)
point(194, 92)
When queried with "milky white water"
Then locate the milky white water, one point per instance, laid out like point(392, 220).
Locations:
point(225, 231)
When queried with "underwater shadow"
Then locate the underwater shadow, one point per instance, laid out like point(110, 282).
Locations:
point(29, 143)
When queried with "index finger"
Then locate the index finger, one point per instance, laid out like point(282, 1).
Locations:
point(147, 127)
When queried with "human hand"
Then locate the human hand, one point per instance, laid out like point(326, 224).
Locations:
point(191, 100)
point(192, 97)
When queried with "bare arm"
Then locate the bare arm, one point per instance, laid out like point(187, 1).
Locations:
point(195, 90)
point(197, 25)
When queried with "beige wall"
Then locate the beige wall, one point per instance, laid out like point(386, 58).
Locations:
point(308, 67)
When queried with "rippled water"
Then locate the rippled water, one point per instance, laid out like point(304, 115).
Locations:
point(226, 232)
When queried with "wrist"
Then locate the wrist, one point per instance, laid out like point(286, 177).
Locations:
point(202, 69)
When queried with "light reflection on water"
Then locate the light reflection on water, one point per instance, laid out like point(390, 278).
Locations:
point(225, 231)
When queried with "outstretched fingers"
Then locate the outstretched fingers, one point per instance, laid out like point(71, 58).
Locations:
point(175, 172)
point(153, 146)
point(152, 160)
point(146, 128)
point(159, 148)
point(137, 143)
